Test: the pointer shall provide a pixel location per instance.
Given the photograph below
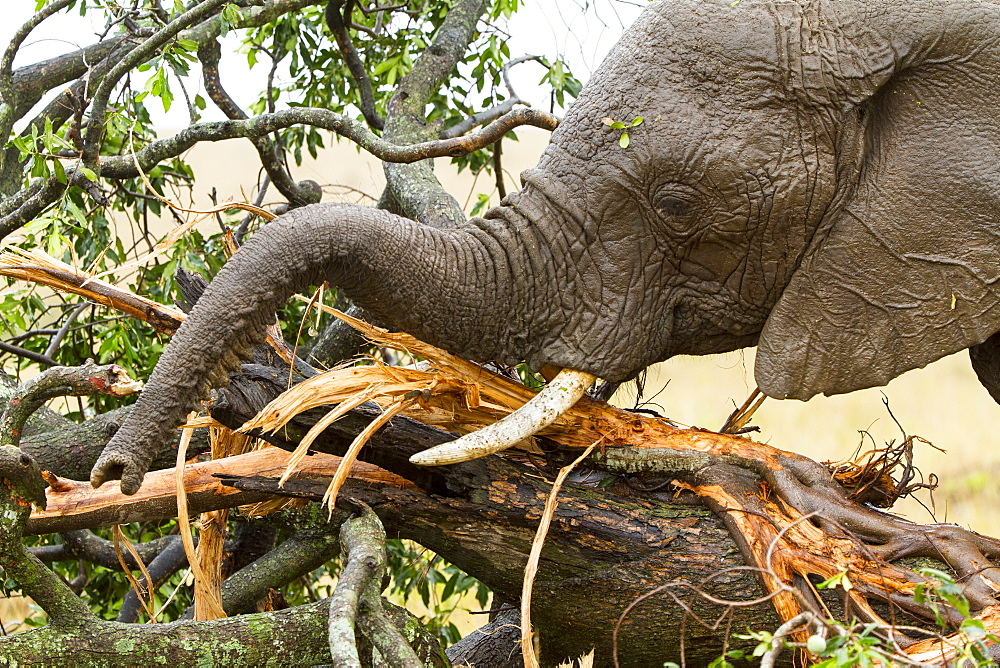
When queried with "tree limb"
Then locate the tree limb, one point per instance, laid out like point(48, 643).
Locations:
point(304, 551)
point(84, 544)
point(31, 82)
point(414, 190)
point(27, 354)
point(84, 380)
point(30, 203)
point(7, 62)
point(156, 151)
point(75, 505)
point(356, 603)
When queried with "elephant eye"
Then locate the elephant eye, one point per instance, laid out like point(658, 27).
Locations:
point(675, 201)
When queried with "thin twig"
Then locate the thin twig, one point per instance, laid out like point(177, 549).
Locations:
point(64, 330)
point(527, 646)
point(27, 354)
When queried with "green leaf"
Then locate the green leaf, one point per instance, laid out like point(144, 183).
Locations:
point(60, 172)
point(623, 141)
point(231, 16)
point(816, 644)
point(386, 65)
point(974, 628)
point(39, 167)
point(90, 174)
point(838, 580)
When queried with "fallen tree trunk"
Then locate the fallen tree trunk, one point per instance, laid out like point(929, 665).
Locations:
point(660, 564)
point(606, 548)
point(651, 576)
point(610, 548)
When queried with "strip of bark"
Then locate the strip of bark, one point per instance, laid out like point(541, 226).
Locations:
point(76, 505)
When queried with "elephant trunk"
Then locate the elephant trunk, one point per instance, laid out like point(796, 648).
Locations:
point(450, 288)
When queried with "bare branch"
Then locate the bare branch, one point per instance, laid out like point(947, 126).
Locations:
point(480, 118)
point(84, 544)
point(31, 82)
point(84, 380)
point(414, 190)
point(27, 354)
point(123, 167)
point(498, 168)
point(336, 21)
point(61, 333)
point(511, 64)
point(495, 111)
point(7, 62)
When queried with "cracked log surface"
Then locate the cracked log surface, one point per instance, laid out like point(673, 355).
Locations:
point(603, 551)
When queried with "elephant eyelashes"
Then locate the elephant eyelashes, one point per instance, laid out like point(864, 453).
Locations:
point(674, 202)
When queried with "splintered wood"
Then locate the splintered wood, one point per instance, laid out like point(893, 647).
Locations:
point(782, 543)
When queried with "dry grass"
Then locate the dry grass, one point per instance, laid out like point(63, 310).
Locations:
point(13, 611)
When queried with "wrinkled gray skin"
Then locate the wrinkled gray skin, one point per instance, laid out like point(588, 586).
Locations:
point(816, 177)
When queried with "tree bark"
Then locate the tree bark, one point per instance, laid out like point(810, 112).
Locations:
point(605, 549)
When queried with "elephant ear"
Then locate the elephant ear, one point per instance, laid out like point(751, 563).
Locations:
point(908, 270)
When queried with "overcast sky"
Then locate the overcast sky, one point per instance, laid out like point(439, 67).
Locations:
point(582, 31)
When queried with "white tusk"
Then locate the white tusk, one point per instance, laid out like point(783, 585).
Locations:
point(544, 408)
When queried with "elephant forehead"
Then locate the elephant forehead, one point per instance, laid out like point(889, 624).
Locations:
point(758, 53)
point(694, 64)
point(725, 51)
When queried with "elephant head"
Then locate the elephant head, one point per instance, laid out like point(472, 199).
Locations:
point(818, 178)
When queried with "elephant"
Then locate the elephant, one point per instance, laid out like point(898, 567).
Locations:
point(817, 178)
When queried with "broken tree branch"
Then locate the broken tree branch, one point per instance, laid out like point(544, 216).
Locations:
point(76, 505)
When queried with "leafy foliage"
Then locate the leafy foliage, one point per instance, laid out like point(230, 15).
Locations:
point(842, 645)
point(99, 223)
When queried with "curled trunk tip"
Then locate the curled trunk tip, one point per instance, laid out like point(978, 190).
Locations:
point(545, 408)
